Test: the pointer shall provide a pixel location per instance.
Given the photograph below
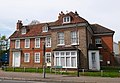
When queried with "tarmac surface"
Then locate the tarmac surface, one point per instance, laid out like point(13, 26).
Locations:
point(25, 76)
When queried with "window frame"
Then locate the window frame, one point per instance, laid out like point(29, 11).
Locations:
point(48, 41)
point(66, 19)
point(74, 37)
point(45, 29)
point(17, 42)
point(23, 31)
point(47, 57)
point(25, 54)
point(37, 57)
point(60, 38)
point(37, 46)
point(58, 58)
point(27, 43)
point(98, 41)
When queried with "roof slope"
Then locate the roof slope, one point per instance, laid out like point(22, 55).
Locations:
point(32, 31)
point(36, 30)
point(98, 29)
point(75, 18)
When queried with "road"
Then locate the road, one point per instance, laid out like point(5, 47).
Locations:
point(18, 81)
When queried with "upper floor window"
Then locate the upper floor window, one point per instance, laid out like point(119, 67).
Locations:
point(98, 42)
point(37, 57)
point(17, 44)
point(26, 57)
point(48, 41)
point(74, 38)
point(60, 38)
point(23, 30)
point(27, 43)
point(37, 42)
point(45, 29)
point(66, 19)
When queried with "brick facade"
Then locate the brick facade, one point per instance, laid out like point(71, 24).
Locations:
point(86, 34)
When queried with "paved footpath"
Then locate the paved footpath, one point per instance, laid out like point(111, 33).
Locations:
point(55, 78)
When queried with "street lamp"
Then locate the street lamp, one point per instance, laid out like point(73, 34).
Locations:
point(44, 65)
point(78, 56)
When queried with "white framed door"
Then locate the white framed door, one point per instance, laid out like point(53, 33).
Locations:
point(16, 59)
point(93, 57)
point(94, 60)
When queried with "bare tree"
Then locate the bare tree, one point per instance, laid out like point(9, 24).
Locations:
point(34, 22)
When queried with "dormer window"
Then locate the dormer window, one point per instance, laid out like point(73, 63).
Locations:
point(66, 19)
point(45, 29)
point(23, 31)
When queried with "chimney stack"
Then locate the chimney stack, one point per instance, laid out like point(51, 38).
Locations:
point(19, 25)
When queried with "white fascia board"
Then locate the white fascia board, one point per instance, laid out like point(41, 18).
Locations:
point(28, 37)
point(70, 26)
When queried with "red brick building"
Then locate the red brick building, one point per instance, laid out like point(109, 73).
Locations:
point(70, 42)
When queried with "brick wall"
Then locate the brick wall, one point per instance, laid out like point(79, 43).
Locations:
point(82, 42)
point(30, 50)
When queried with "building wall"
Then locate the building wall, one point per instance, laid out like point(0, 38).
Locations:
point(107, 50)
point(82, 42)
point(30, 50)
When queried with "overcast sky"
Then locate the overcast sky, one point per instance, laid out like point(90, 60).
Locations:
point(103, 12)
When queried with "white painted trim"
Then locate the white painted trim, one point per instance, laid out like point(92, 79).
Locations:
point(28, 43)
point(97, 60)
point(23, 32)
point(35, 57)
point(18, 44)
point(38, 42)
point(18, 61)
point(69, 26)
point(65, 56)
point(46, 40)
point(65, 21)
point(46, 56)
point(28, 57)
point(28, 37)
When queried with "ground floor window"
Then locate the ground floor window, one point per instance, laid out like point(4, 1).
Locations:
point(26, 57)
point(48, 57)
point(37, 57)
point(67, 59)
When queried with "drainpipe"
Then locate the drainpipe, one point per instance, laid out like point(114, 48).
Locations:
point(87, 47)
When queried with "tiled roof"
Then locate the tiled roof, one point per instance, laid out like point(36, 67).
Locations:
point(32, 31)
point(75, 18)
point(36, 30)
point(98, 29)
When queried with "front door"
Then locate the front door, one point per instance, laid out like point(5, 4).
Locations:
point(16, 59)
point(94, 61)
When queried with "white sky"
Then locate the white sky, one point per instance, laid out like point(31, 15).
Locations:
point(103, 12)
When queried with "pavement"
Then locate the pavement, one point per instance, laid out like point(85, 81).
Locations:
point(55, 78)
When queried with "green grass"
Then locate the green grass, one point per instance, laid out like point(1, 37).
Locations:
point(105, 74)
point(107, 71)
point(39, 70)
